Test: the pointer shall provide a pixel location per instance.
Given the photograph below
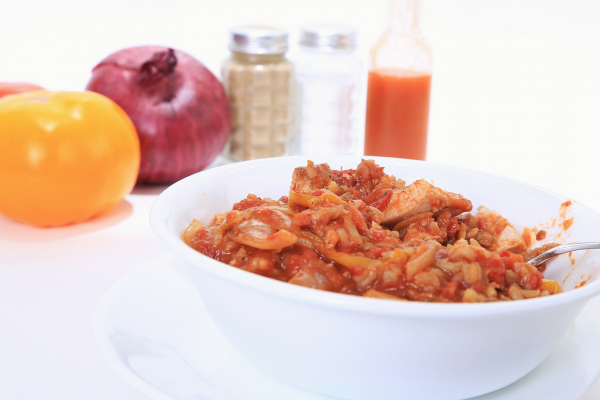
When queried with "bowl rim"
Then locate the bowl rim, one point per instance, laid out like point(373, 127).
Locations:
point(416, 309)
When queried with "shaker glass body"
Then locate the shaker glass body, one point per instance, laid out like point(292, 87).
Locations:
point(260, 94)
point(328, 85)
point(399, 87)
point(259, 82)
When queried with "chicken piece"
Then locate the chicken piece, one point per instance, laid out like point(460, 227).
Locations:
point(420, 197)
point(313, 177)
point(505, 235)
point(318, 274)
point(509, 240)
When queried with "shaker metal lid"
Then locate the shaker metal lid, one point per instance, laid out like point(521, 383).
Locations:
point(255, 39)
point(328, 37)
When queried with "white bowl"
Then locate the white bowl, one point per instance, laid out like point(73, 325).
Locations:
point(360, 348)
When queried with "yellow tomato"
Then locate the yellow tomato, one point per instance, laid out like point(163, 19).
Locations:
point(64, 156)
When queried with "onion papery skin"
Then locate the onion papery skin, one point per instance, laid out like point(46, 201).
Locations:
point(179, 108)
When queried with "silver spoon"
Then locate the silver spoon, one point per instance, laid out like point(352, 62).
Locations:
point(563, 248)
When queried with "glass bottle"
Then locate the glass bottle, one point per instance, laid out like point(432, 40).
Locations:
point(258, 80)
point(399, 87)
point(328, 75)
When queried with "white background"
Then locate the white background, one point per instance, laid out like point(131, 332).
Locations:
point(516, 83)
point(516, 92)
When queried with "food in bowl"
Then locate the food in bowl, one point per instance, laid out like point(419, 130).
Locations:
point(365, 233)
point(359, 348)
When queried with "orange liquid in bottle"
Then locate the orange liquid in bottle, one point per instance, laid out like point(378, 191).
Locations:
point(397, 114)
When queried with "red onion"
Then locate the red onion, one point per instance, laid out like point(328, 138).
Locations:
point(179, 108)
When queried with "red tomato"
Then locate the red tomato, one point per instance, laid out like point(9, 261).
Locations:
point(7, 88)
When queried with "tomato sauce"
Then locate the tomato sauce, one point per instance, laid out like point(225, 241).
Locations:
point(340, 244)
point(397, 114)
point(249, 203)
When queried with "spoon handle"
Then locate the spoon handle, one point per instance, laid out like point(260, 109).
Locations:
point(564, 248)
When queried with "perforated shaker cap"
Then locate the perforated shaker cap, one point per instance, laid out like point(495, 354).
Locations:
point(256, 39)
point(328, 37)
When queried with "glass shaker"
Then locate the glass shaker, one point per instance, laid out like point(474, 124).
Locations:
point(258, 80)
point(328, 75)
point(399, 87)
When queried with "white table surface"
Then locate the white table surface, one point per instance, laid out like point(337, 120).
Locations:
point(50, 282)
point(515, 92)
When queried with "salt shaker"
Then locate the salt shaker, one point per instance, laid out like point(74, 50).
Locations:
point(328, 76)
point(258, 80)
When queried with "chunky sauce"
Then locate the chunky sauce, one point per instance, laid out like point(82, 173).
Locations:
point(363, 232)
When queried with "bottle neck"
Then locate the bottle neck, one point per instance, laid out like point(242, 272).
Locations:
point(404, 15)
point(246, 58)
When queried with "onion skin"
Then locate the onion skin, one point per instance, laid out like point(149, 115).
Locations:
point(8, 88)
point(179, 108)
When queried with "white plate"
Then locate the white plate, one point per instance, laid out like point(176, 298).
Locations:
point(154, 332)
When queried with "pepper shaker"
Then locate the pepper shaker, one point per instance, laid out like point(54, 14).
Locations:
point(258, 80)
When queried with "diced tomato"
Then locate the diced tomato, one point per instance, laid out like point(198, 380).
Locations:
point(248, 203)
point(509, 259)
point(452, 227)
point(379, 251)
point(379, 198)
point(317, 192)
point(378, 235)
point(346, 177)
point(202, 241)
point(357, 270)
point(284, 199)
point(497, 271)
point(529, 277)
point(291, 261)
point(479, 287)
point(446, 221)
point(300, 256)
point(449, 290)
point(481, 224)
